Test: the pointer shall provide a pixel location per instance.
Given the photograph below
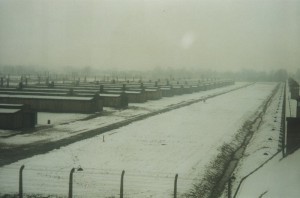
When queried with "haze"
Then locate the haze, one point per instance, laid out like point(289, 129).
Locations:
point(145, 34)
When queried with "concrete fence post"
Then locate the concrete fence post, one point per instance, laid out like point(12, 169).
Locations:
point(229, 188)
point(122, 184)
point(21, 181)
point(175, 186)
point(71, 183)
point(230, 185)
point(283, 118)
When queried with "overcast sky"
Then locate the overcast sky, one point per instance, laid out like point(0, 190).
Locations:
point(139, 34)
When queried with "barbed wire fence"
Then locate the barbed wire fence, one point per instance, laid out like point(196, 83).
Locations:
point(34, 181)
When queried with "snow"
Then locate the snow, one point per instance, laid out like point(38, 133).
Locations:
point(11, 105)
point(110, 95)
point(120, 91)
point(31, 93)
point(9, 110)
point(151, 151)
point(151, 90)
point(280, 176)
point(134, 110)
point(58, 118)
point(133, 92)
point(47, 89)
point(46, 97)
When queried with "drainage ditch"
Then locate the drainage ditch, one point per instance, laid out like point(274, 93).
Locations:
point(220, 170)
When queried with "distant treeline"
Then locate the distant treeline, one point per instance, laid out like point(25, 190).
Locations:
point(153, 74)
point(242, 75)
point(279, 75)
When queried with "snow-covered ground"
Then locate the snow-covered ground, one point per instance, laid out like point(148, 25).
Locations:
point(64, 125)
point(58, 118)
point(280, 177)
point(151, 151)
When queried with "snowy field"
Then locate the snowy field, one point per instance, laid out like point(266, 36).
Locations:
point(64, 125)
point(151, 151)
point(278, 178)
point(58, 118)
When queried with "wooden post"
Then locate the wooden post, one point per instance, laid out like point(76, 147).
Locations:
point(122, 180)
point(175, 186)
point(21, 181)
point(71, 183)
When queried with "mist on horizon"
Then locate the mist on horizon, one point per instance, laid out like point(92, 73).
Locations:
point(148, 34)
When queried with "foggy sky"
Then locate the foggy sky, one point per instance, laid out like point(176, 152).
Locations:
point(144, 34)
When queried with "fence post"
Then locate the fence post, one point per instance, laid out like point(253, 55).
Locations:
point(230, 185)
point(21, 181)
point(71, 183)
point(229, 188)
point(122, 180)
point(283, 116)
point(175, 186)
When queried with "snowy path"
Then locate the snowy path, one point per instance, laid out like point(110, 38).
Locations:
point(151, 151)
